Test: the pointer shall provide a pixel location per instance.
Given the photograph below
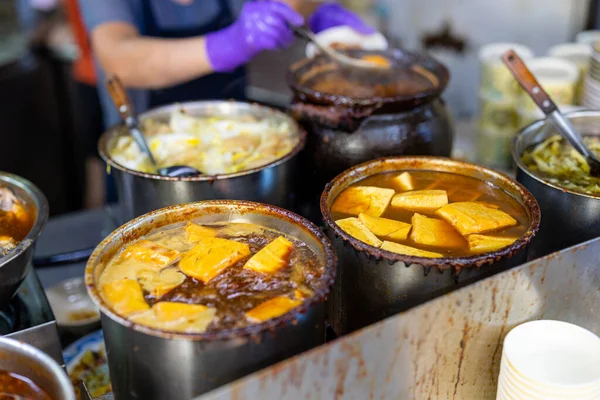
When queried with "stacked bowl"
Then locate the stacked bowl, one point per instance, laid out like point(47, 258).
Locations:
point(591, 87)
point(550, 360)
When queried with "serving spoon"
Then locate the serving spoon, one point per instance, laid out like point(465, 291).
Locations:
point(119, 97)
point(342, 59)
point(526, 79)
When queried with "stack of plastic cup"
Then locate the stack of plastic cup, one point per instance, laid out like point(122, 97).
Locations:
point(591, 86)
point(550, 360)
point(498, 94)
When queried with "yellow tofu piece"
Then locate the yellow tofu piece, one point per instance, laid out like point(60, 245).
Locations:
point(151, 253)
point(424, 201)
point(409, 251)
point(488, 205)
point(471, 217)
point(177, 317)
point(298, 295)
point(170, 311)
point(485, 243)
point(435, 232)
point(211, 256)
point(353, 227)
point(271, 309)
point(158, 283)
point(196, 232)
point(125, 297)
point(272, 257)
point(404, 181)
point(368, 200)
point(396, 230)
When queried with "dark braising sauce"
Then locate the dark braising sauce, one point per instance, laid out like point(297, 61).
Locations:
point(17, 387)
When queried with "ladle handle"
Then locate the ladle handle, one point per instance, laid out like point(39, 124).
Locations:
point(526, 79)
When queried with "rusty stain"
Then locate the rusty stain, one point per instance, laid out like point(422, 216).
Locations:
point(494, 293)
point(463, 346)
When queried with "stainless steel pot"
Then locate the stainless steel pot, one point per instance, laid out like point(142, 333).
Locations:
point(17, 264)
point(148, 364)
point(140, 192)
point(27, 361)
point(373, 284)
point(569, 217)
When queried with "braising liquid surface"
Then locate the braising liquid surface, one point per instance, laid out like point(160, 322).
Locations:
point(235, 290)
point(459, 189)
point(17, 387)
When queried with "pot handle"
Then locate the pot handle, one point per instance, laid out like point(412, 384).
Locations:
point(343, 118)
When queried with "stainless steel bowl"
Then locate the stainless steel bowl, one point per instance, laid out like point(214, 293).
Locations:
point(140, 192)
point(373, 284)
point(569, 217)
point(29, 362)
point(148, 364)
point(17, 264)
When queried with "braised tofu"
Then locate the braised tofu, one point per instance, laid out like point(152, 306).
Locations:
point(151, 253)
point(177, 317)
point(404, 181)
point(272, 257)
point(471, 217)
point(368, 200)
point(435, 232)
point(125, 297)
point(423, 201)
point(485, 243)
point(158, 283)
point(409, 251)
point(395, 230)
point(358, 230)
point(272, 309)
point(197, 232)
point(211, 256)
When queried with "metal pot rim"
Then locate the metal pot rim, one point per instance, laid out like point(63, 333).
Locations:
point(359, 172)
point(42, 212)
point(534, 128)
point(104, 139)
point(252, 330)
point(339, 100)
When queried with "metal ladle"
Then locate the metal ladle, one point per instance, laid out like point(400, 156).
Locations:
point(342, 59)
point(123, 104)
point(526, 79)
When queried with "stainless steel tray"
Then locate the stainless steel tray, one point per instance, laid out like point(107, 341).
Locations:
point(449, 348)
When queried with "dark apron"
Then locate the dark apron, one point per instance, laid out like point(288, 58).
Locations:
point(214, 86)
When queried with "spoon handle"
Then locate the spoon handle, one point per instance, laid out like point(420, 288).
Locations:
point(119, 96)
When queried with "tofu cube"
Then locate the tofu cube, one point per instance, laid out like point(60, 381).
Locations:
point(211, 256)
point(368, 200)
point(177, 317)
point(150, 253)
point(404, 181)
point(423, 201)
point(485, 243)
point(169, 311)
point(435, 232)
point(358, 230)
point(158, 283)
point(409, 251)
point(471, 217)
point(270, 309)
point(125, 297)
point(272, 257)
point(396, 230)
point(197, 232)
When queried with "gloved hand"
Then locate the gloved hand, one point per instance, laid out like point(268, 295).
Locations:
point(331, 14)
point(262, 25)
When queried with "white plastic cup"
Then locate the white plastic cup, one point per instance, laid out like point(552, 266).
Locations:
point(588, 37)
point(496, 78)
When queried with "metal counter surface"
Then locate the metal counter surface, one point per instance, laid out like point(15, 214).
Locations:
point(449, 348)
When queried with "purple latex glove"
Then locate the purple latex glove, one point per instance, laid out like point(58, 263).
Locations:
point(262, 25)
point(331, 14)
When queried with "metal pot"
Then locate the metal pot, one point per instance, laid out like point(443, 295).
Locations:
point(345, 131)
point(373, 284)
point(148, 364)
point(140, 192)
point(27, 361)
point(571, 217)
point(15, 266)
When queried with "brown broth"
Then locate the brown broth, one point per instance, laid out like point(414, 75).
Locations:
point(237, 290)
point(459, 188)
point(14, 386)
